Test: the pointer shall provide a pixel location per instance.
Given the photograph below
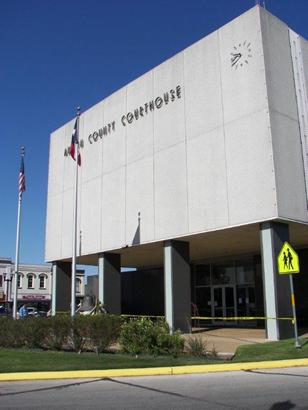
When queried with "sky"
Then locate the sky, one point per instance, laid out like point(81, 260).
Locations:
point(58, 54)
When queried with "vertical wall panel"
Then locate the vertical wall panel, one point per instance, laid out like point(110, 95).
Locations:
point(171, 218)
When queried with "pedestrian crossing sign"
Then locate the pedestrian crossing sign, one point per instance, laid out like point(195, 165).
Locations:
point(287, 260)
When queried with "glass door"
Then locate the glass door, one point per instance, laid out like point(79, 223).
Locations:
point(241, 301)
point(203, 305)
point(218, 308)
point(246, 304)
point(230, 303)
point(223, 304)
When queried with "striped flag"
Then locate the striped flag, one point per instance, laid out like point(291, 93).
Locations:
point(21, 189)
point(22, 180)
point(74, 141)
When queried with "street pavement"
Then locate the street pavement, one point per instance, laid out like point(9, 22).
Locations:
point(275, 389)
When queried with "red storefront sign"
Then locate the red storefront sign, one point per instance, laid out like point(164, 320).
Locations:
point(35, 297)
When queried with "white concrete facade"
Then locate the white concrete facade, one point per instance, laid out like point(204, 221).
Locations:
point(225, 152)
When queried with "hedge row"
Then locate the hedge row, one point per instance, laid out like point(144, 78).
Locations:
point(61, 332)
point(95, 333)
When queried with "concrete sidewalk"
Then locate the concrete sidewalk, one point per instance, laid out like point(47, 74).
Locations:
point(225, 341)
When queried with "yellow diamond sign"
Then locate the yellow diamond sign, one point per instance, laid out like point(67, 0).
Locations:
point(287, 260)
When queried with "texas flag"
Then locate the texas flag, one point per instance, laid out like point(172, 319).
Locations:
point(74, 142)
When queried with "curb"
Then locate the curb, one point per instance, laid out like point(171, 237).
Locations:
point(152, 371)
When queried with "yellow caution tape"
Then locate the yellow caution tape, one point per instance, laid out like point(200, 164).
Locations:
point(143, 316)
point(239, 318)
point(217, 317)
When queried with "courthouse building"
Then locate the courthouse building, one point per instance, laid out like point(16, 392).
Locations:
point(198, 171)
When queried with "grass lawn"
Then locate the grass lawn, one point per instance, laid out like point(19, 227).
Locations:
point(281, 350)
point(22, 360)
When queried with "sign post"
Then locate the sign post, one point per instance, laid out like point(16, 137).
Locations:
point(297, 344)
point(288, 263)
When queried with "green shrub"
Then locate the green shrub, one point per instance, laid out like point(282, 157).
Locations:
point(144, 336)
point(32, 332)
point(103, 330)
point(172, 344)
point(196, 346)
point(95, 332)
point(57, 333)
point(61, 332)
point(78, 333)
point(6, 339)
point(15, 334)
point(134, 336)
point(28, 332)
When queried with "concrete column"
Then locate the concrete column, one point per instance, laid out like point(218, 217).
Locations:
point(177, 285)
point(61, 287)
point(277, 298)
point(109, 281)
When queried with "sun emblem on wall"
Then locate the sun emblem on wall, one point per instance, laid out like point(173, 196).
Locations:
point(240, 55)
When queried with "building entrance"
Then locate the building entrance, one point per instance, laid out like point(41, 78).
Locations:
point(223, 304)
point(226, 289)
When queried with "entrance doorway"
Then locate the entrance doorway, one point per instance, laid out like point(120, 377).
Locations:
point(227, 289)
point(246, 304)
point(223, 304)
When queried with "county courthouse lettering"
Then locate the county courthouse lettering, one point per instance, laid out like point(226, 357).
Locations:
point(133, 115)
point(138, 113)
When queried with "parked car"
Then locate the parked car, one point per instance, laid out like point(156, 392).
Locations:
point(42, 313)
point(3, 311)
point(32, 311)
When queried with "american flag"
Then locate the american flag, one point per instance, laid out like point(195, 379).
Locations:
point(75, 141)
point(22, 180)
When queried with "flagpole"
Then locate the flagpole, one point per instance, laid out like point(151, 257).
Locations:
point(22, 152)
point(73, 281)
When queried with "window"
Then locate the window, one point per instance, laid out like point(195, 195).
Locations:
point(244, 272)
point(19, 281)
point(42, 282)
point(1, 281)
point(30, 281)
point(223, 273)
point(78, 285)
point(203, 276)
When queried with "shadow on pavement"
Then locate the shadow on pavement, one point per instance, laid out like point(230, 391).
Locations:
point(58, 387)
point(269, 373)
point(283, 405)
